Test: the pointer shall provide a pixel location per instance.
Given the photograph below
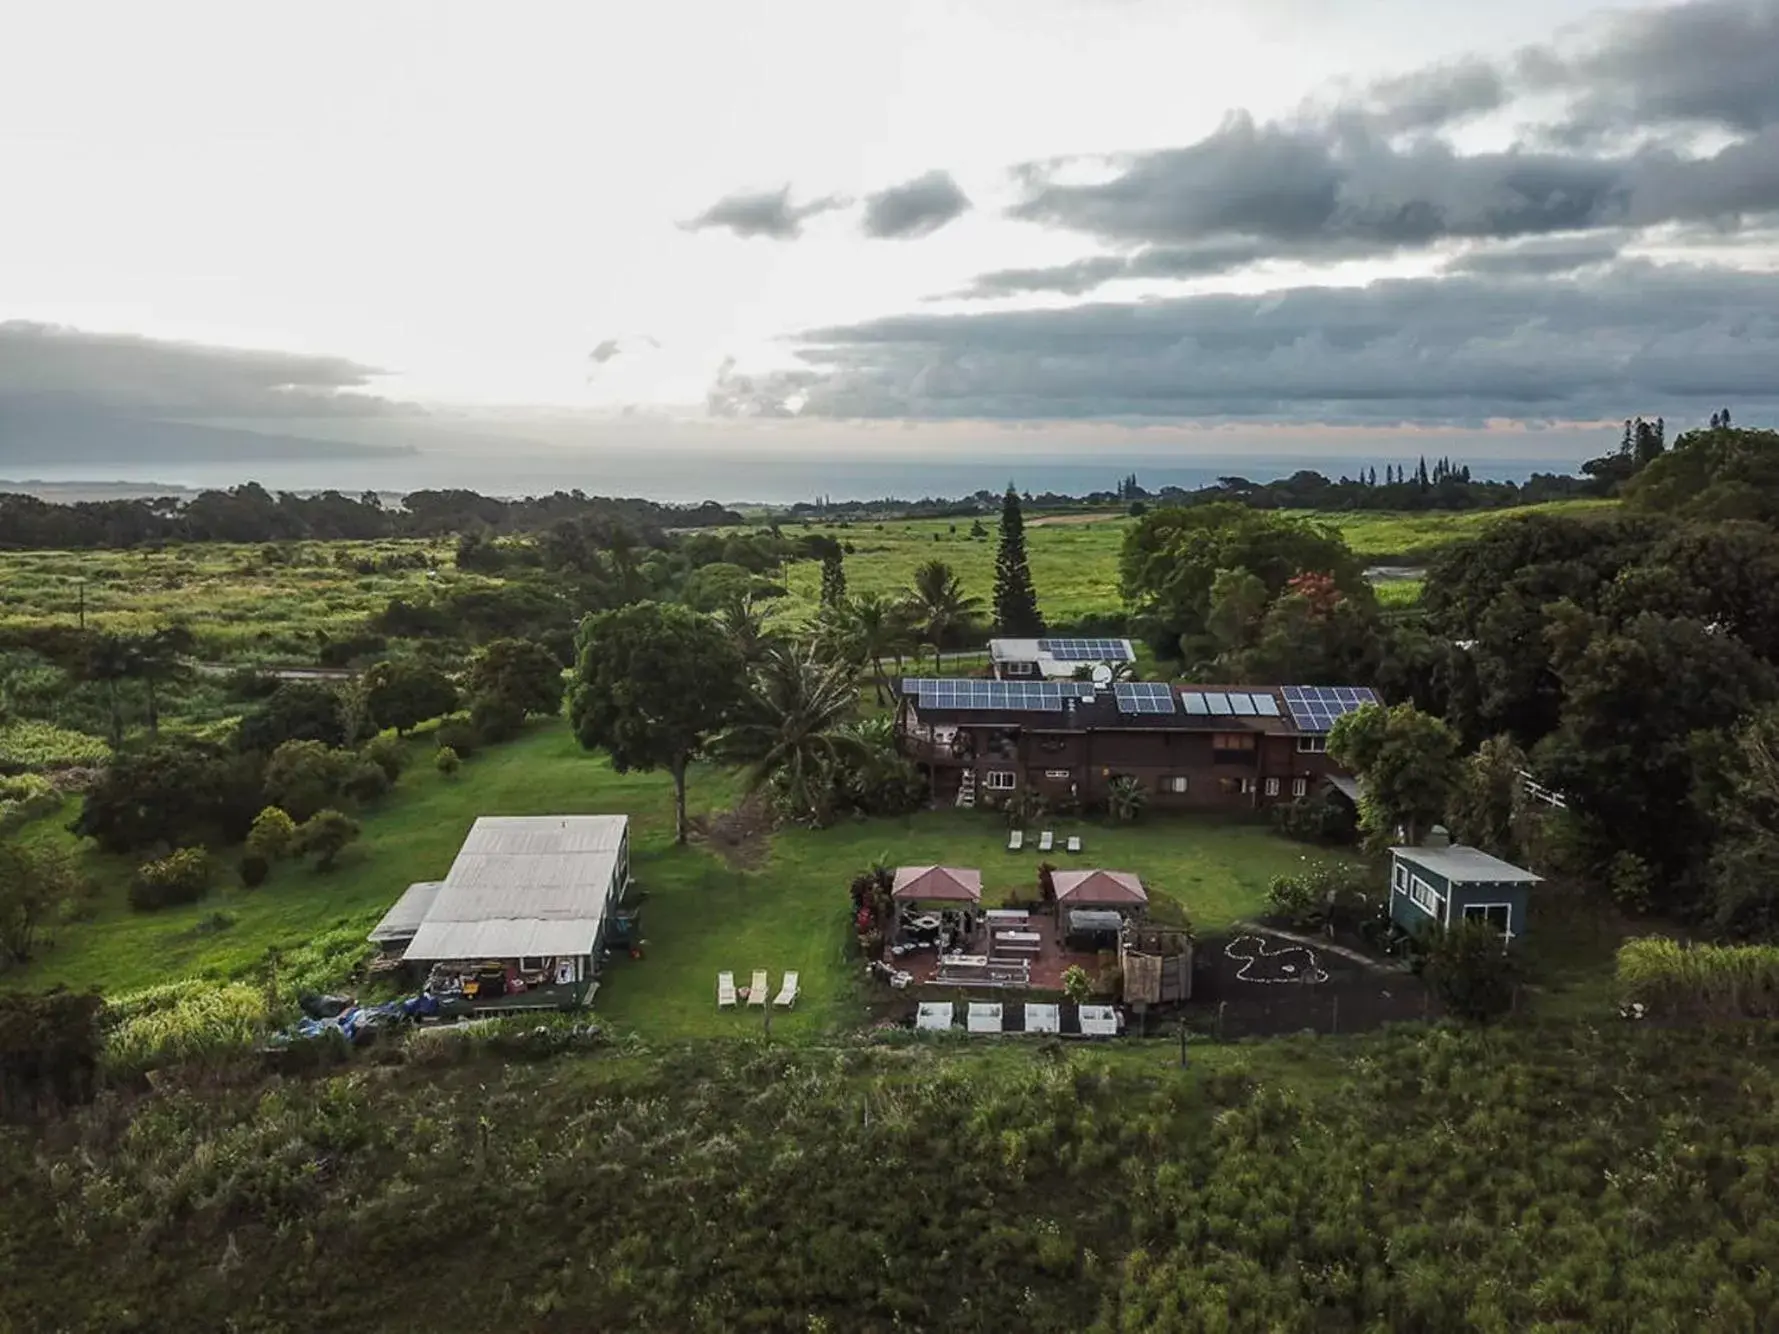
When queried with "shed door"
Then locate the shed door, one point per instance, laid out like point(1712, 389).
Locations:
point(1495, 914)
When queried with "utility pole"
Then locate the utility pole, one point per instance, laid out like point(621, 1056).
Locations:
point(81, 612)
point(1182, 1042)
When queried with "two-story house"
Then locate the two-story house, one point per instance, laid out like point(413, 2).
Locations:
point(1191, 746)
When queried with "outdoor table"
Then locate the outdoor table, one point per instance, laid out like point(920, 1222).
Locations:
point(925, 922)
point(1019, 937)
point(1008, 915)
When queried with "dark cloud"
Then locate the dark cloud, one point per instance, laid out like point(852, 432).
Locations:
point(613, 347)
point(732, 394)
point(1435, 97)
point(48, 367)
point(1206, 259)
point(1711, 63)
point(1541, 257)
point(915, 208)
point(1635, 338)
point(767, 213)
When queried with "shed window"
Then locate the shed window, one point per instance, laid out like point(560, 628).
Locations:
point(1401, 877)
point(999, 780)
point(1424, 896)
point(1176, 783)
point(1497, 915)
point(1017, 668)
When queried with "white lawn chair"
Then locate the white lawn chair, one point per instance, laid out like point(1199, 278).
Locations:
point(787, 993)
point(1074, 843)
point(757, 989)
point(1016, 840)
point(984, 1017)
point(1098, 1021)
point(1043, 1018)
point(1046, 841)
point(725, 991)
point(934, 1016)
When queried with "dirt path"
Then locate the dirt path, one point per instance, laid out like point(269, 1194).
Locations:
point(1058, 520)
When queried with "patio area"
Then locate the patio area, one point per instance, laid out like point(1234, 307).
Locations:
point(1003, 948)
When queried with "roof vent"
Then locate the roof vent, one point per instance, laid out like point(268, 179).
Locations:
point(1437, 837)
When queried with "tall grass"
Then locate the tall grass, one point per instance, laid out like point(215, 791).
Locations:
point(190, 1022)
point(1721, 981)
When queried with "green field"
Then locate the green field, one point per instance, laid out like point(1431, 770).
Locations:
point(701, 915)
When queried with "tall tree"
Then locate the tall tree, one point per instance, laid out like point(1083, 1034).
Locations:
point(33, 883)
point(790, 730)
point(867, 629)
point(652, 683)
point(1016, 601)
point(940, 606)
point(1407, 762)
point(833, 579)
point(156, 658)
point(401, 695)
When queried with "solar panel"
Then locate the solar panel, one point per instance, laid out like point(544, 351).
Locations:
point(1267, 705)
point(1243, 704)
point(1087, 650)
point(972, 693)
point(1315, 708)
point(1219, 703)
point(1194, 702)
point(1144, 697)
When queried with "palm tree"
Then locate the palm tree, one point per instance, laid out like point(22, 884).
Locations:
point(940, 606)
point(866, 629)
point(742, 616)
point(792, 728)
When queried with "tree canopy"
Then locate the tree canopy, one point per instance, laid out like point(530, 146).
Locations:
point(1407, 762)
point(652, 683)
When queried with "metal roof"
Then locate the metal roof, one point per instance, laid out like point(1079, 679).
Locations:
point(1467, 866)
point(525, 885)
point(403, 920)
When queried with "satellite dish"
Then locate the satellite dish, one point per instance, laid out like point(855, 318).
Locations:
point(1102, 676)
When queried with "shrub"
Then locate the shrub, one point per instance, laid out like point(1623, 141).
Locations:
point(325, 836)
point(1471, 970)
point(182, 1022)
point(1125, 798)
point(306, 776)
point(179, 877)
point(272, 835)
point(388, 753)
point(496, 718)
point(25, 797)
point(34, 882)
point(460, 735)
point(49, 1048)
point(295, 711)
point(1319, 817)
point(1076, 985)
point(446, 761)
point(254, 870)
point(400, 694)
point(365, 782)
point(1710, 981)
point(1320, 895)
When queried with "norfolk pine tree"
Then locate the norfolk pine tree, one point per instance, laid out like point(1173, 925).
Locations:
point(1016, 601)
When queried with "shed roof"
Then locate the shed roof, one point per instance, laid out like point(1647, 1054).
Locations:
point(524, 885)
point(1096, 886)
point(403, 920)
point(1465, 865)
point(937, 882)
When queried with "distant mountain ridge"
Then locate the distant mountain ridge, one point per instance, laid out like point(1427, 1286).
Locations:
point(84, 438)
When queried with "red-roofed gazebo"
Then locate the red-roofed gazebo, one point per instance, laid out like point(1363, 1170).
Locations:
point(1108, 889)
point(937, 884)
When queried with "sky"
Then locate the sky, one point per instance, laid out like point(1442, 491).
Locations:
point(1087, 220)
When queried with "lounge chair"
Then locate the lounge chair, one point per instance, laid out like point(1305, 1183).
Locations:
point(725, 991)
point(1016, 840)
point(1046, 841)
point(757, 989)
point(1074, 843)
point(787, 993)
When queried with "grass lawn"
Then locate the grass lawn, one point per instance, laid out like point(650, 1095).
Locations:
point(701, 915)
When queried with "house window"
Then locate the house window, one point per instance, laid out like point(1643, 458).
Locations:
point(1312, 745)
point(998, 780)
point(1272, 787)
point(1300, 786)
point(1058, 775)
point(529, 963)
point(1247, 786)
point(1424, 896)
point(1017, 668)
point(1497, 915)
point(1175, 784)
point(1233, 747)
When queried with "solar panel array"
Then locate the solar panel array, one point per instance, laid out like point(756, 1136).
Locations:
point(1229, 704)
point(971, 693)
point(1314, 708)
point(1144, 697)
point(1087, 650)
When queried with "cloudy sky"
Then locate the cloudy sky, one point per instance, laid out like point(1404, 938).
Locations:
point(1069, 216)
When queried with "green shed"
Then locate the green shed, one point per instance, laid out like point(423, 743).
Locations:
point(1450, 884)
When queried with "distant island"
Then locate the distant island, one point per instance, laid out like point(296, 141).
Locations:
point(34, 437)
